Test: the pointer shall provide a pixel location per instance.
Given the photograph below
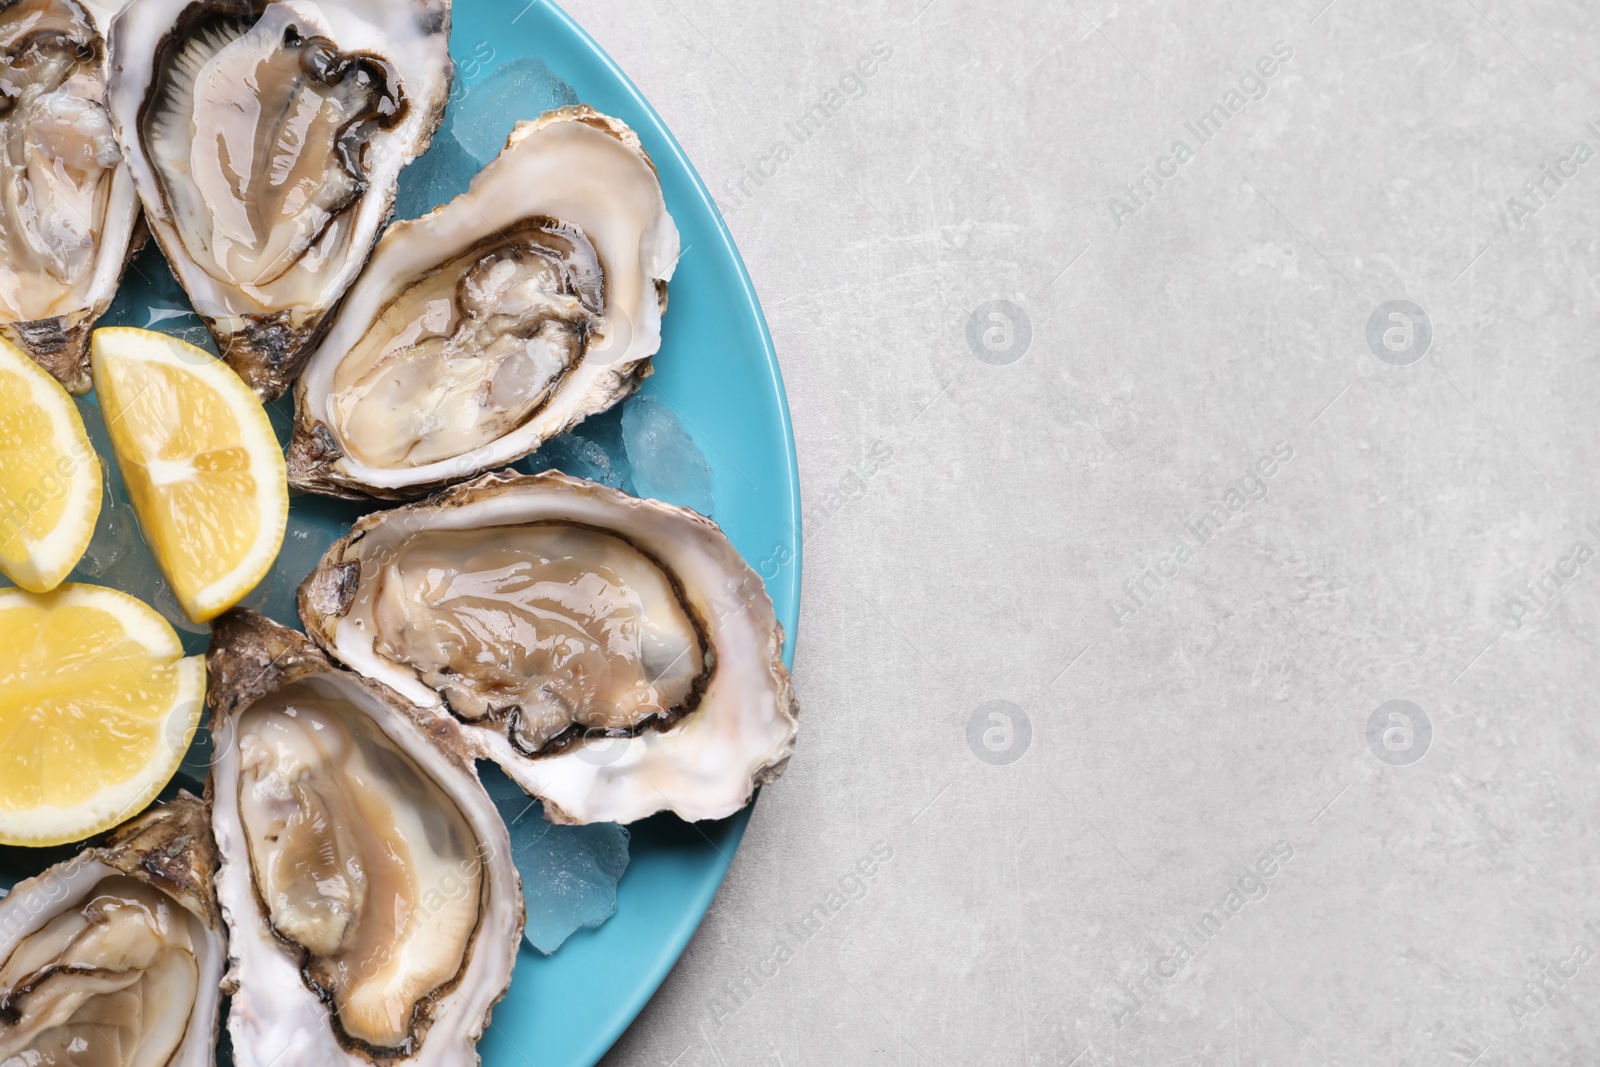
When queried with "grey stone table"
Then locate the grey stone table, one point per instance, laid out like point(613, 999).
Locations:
point(1196, 416)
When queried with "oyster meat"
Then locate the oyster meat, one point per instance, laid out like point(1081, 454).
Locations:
point(366, 875)
point(265, 138)
point(616, 656)
point(115, 957)
point(503, 318)
point(67, 202)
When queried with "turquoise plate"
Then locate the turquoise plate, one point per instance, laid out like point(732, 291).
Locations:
point(718, 372)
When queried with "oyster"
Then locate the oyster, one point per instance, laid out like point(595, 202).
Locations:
point(265, 138)
point(104, 11)
point(503, 318)
point(67, 203)
point(115, 956)
point(366, 876)
point(616, 656)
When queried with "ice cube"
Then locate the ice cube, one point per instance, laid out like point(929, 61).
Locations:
point(667, 464)
point(480, 117)
point(596, 453)
point(605, 430)
point(569, 873)
point(483, 114)
point(579, 457)
point(442, 173)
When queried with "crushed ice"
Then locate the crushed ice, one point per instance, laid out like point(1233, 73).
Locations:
point(569, 873)
point(667, 464)
point(480, 117)
point(485, 112)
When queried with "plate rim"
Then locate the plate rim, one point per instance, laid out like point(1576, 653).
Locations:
point(646, 989)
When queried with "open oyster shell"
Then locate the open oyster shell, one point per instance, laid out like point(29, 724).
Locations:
point(494, 323)
point(366, 878)
point(616, 656)
point(115, 957)
point(265, 138)
point(104, 11)
point(67, 202)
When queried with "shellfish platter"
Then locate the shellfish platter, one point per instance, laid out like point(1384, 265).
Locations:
point(401, 531)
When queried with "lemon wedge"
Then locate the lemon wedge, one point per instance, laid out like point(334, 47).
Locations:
point(49, 475)
point(97, 707)
point(201, 462)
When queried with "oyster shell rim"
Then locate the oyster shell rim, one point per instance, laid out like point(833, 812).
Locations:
point(327, 594)
point(314, 453)
point(60, 343)
point(271, 368)
point(255, 657)
point(169, 847)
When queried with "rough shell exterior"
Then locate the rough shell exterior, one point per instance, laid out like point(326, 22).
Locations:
point(170, 848)
point(252, 656)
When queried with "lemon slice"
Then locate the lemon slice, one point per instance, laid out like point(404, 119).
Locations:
point(201, 462)
point(49, 475)
point(97, 706)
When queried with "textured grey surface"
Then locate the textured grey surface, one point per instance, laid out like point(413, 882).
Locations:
point(972, 524)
